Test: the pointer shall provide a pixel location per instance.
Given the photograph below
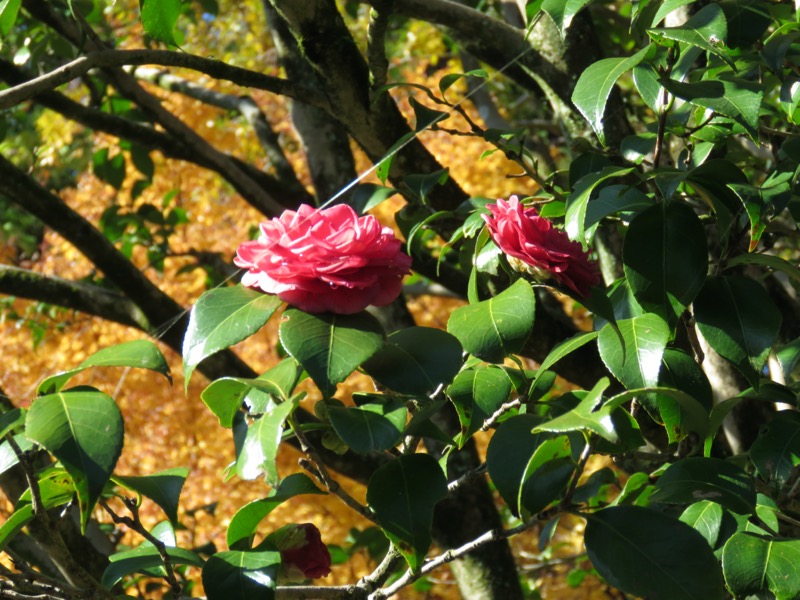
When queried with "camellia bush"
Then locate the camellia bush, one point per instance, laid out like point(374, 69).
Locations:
point(663, 218)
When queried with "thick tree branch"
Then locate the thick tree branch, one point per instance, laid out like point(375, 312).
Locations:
point(152, 139)
point(104, 58)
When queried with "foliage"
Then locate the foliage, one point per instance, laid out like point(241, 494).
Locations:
point(679, 172)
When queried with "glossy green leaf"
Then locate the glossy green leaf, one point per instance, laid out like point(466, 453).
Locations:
point(578, 201)
point(159, 18)
point(416, 360)
point(706, 29)
point(369, 195)
point(706, 517)
point(221, 318)
point(384, 165)
point(649, 554)
point(8, 15)
point(754, 565)
point(697, 478)
point(739, 320)
point(694, 415)
point(8, 457)
point(330, 346)
point(679, 371)
point(633, 351)
point(666, 8)
point(260, 448)
point(446, 82)
point(497, 327)
point(477, 394)
point(370, 427)
point(403, 494)
point(665, 257)
point(770, 261)
point(546, 475)
point(163, 488)
point(140, 354)
point(245, 521)
point(84, 431)
point(617, 199)
point(236, 575)
point(595, 84)
point(10, 420)
point(15, 524)
point(737, 99)
point(776, 451)
point(143, 558)
point(563, 11)
point(224, 396)
point(591, 414)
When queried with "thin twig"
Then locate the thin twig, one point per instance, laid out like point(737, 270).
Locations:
point(382, 572)
point(135, 524)
point(466, 477)
point(30, 478)
point(492, 420)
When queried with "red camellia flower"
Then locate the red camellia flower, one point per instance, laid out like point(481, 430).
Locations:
point(534, 246)
point(325, 260)
point(303, 553)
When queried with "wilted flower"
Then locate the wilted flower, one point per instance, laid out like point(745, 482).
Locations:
point(303, 553)
point(325, 260)
point(534, 246)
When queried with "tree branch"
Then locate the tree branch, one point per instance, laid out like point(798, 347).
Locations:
point(105, 58)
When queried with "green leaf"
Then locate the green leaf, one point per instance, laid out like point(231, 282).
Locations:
point(163, 488)
point(563, 349)
point(109, 170)
point(260, 448)
point(697, 478)
point(665, 256)
point(244, 523)
point(236, 575)
point(221, 318)
point(545, 476)
point(633, 350)
point(370, 427)
point(14, 524)
point(706, 517)
point(706, 29)
point(403, 494)
point(776, 263)
point(680, 371)
point(578, 201)
point(497, 327)
point(754, 565)
point(666, 8)
point(509, 452)
point(646, 553)
point(369, 195)
point(224, 396)
point(694, 416)
point(477, 394)
point(416, 360)
point(10, 420)
point(425, 117)
point(8, 15)
point(595, 84)
point(143, 558)
point(84, 431)
point(140, 354)
point(737, 99)
point(330, 346)
point(739, 320)
point(446, 82)
point(159, 18)
point(776, 451)
point(8, 457)
point(563, 11)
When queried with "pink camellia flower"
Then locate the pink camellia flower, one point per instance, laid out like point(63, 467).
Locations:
point(325, 260)
point(303, 553)
point(534, 246)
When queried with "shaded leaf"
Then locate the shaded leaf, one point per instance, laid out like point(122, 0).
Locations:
point(706, 29)
point(776, 451)
point(477, 394)
point(578, 201)
point(163, 488)
point(236, 575)
point(706, 517)
point(143, 558)
point(649, 554)
point(416, 360)
point(403, 494)
point(370, 427)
